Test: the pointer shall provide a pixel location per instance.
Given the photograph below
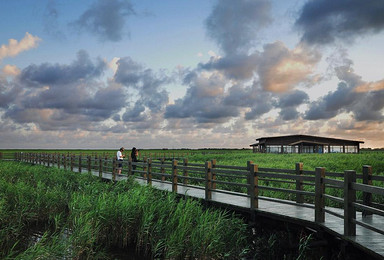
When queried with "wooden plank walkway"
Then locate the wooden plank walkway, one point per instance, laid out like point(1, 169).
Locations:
point(304, 214)
point(365, 239)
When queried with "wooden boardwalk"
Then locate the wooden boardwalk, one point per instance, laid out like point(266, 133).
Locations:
point(365, 233)
point(365, 239)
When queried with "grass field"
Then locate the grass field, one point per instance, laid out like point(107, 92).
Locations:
point(81, 217)
point(333, 162)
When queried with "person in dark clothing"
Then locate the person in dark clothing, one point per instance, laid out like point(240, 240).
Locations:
point(134, 155)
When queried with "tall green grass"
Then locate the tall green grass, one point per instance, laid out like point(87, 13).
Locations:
point(83, 217)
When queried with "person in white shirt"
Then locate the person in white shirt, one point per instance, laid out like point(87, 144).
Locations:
point(120, 156)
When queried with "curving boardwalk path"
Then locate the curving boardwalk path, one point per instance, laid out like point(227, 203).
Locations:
point(304, 214)
point(365, 239)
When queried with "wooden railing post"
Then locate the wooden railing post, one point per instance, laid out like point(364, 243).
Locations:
point(185, 171)
point(213, 173)
point(208, 181)
point(299, 183)
point(149, 172)
point(130, 166)
point(319, 195)
point(64, 161)
point(144, 167)
point(349, 199)
point(174, 175)
point(367, 196)
point(253, 190)
point(89, 163)
point(80, 160)
point(58, 161)
point(114, 168)
point(101, 166)
point(72, 161)
point(1, 156)
point(162, 169)
point(49, 159)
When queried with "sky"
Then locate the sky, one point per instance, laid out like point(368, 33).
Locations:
point(101, 74)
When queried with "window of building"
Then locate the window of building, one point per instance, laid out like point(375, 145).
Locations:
point(273, 148)
point(351, 149)
point(307, 149)
point(336, 149)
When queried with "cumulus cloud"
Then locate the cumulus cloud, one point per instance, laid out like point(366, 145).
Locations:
point(203, 100)
point(106, 19)
point(278, 68)
point(288, 103)
point(11, 70)
point(234, 24)
point(238, 67)
point(253, 97)
point(15, 47)
point(327, 21)
point(8, 93)
point(63, 97)
point(281, 69)
point(347, 98)
point(370, 86)
point(148, 84)
point(47, 74)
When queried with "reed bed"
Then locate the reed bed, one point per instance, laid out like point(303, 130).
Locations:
point(84, 217)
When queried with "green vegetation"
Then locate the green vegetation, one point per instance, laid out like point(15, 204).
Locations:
point(333, 162)
point(83, 217)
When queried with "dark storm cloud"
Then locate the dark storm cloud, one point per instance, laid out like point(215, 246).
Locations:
point(234, 24)
point(325, 21)
point(46, 74)
point(106, 19)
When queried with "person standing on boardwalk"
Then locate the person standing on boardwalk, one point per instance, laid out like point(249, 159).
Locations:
point(134, 155)
point(120, 156)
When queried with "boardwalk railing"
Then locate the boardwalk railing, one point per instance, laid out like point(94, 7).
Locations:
point(318, 189)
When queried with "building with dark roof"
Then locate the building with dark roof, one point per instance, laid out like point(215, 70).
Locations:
point(305, 144)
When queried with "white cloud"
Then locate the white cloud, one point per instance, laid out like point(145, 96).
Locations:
point(113, 64)
point(11, 70)
point(15, 47)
